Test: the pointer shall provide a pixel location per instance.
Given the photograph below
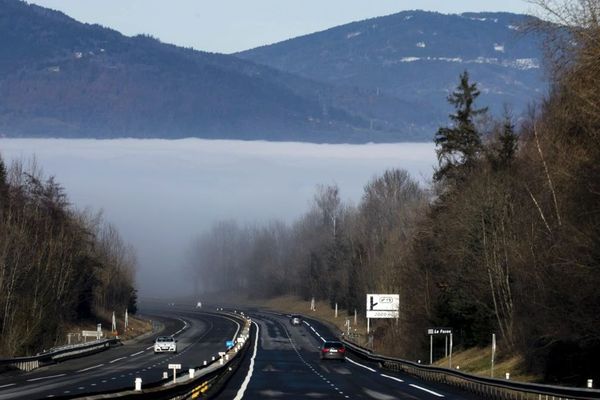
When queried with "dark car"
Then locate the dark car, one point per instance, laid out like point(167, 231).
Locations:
point(332, 350)
point(296, 320)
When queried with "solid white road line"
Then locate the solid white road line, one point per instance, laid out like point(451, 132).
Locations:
point(87, 369)
point(117, 359)
point(45, 377)
point(9, 385)
point(360, 365)
point(392, 377)
point(240, 393)
point(427, 390)
point(148, 348)
point(135, 354)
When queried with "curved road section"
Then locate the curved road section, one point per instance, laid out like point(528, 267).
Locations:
point(200, 337)
point(284, 363)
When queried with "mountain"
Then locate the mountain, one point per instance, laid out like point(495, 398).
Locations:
point(63, 78)
point(416, 56)
point(381, 80)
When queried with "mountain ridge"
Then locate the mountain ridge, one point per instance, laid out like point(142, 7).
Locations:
point(420, 52)
point(63, 78)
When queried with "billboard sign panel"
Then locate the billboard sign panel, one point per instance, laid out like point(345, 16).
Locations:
point(383, 306)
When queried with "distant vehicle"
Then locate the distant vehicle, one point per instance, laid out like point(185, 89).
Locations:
point(199, 304)
point(165, 344)
point(333, 350)
point(295, 320)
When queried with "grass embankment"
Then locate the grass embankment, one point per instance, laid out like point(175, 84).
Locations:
point(475, 361)
point(137, 326)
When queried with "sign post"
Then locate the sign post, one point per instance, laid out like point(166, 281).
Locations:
point(174, 367)
point(440, 331)
point(430, 349)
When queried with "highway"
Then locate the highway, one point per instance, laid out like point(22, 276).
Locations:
point(284, 364)
point(200, 336)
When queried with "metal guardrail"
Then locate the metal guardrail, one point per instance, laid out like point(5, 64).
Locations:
point(487, 388)
point(59, 354)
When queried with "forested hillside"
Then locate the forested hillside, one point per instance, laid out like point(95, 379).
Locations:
point(505, 241)
point(58, 266)
point(63, 78)
point(416, 55)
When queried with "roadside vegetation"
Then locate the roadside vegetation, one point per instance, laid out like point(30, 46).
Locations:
point(505, 240)
point(58, 266)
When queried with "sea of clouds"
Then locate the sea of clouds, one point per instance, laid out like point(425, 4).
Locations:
point(162, 193)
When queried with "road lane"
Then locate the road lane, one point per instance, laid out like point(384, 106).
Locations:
point(287, 366)
point(200, 336)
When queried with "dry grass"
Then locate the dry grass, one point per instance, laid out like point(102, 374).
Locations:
point(137, 326)
point(477, 361)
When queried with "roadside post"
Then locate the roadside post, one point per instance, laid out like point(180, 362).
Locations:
point(493, 353)
point(174, 367)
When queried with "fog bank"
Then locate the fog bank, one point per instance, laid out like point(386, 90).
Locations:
point(162, 193)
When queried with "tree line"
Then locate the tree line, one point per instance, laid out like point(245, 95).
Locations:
point(58, 265)
point(505, 240)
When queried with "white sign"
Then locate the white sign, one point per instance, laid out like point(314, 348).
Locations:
point(174, 366)
point(95, 334)
point(439, 331)
point(383, 306)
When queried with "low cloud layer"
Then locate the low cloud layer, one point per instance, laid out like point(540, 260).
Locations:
point(161, 193)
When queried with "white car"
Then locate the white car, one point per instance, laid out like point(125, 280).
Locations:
point(165, 344)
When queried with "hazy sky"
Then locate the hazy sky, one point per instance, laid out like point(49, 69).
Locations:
point(232, 25)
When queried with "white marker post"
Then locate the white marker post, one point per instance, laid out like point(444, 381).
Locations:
point(174, 367)
point(450, 359)
point(493, 353)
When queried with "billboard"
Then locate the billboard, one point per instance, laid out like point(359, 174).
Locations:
point(383, 306)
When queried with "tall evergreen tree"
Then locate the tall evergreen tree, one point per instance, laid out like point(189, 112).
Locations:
point(508, 142)
point(3, 187)
point(459, 144)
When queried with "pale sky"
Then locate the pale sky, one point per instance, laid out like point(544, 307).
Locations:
point(227, 26)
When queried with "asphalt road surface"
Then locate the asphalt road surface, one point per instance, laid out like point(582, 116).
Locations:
point(200, 336)
point(284, 363)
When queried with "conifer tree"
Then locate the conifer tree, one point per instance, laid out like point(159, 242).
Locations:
point(459, 144)
point(508, 143)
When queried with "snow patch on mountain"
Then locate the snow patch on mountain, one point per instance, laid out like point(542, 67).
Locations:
point(519, 63)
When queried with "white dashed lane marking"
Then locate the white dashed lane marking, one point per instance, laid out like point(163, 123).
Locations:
point(9, 385)
point(117, 359)
point(90, 368)
point(426, 390)
point(45, 377)
point(360, 365)
point(392, 377)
